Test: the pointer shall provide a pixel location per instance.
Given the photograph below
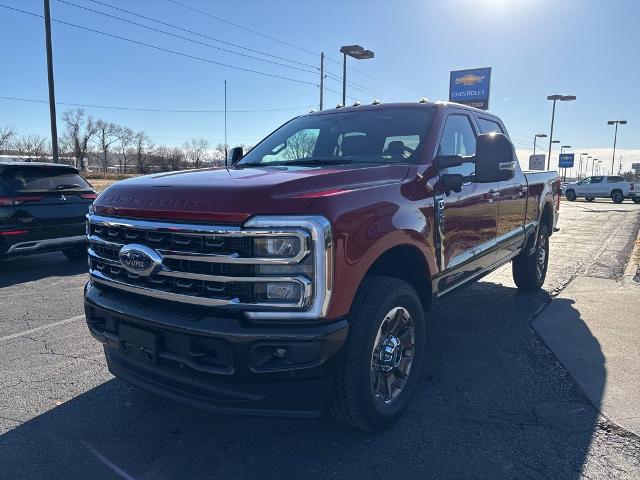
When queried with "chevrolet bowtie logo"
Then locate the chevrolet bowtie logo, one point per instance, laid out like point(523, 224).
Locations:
point(469, 79)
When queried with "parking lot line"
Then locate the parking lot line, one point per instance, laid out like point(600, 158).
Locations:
point(43, 327)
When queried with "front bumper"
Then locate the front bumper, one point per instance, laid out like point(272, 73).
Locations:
point(225, 364)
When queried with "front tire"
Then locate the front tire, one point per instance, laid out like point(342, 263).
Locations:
point(384, 354)
point(571, 195)
point(636, 199)
point(617, 196)
point(529, 271)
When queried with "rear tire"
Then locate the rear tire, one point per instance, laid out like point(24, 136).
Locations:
point(571, 195)
point(384, 353)
point(617, 196)
point(76, 253)
point(636, 199)
point(529, 271)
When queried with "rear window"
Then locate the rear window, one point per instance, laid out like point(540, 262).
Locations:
point(31, 179)
point(615, 179)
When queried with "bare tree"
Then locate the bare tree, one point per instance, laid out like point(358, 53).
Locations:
point(34, 147)
point(141, 146)
point(219, 153)
point(176, 158)
point(196, 151)
point(80, 130)
point(106, 135)
point(6, 136)
point(126, 139)
point(300, 145)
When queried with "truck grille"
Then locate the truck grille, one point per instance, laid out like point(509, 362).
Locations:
point(196, 264)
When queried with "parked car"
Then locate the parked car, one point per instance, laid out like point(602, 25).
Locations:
point(42, 209)
point(602, 186)
point(298, 278)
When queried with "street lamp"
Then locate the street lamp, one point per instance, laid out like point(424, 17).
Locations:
point(357, 52)
point(580, 169)
point(593, 164)
point(555, 98)
point(615, 137)
point(535, 137)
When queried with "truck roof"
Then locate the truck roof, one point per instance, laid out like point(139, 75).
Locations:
point(420, 104)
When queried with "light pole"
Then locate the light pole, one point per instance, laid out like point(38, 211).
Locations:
point(555, 98)
point(586, 167)
point(564, 176)
point(615, 138)
point(357, 52)
point(536, 137)
point(52, 95)
point(593, 164)
point(580, 170)
point(548, 160)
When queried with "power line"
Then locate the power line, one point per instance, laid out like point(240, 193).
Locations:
point(155, 110)
point(162, 49)
point(155, 20)
point(202, 12)
point(186, 38)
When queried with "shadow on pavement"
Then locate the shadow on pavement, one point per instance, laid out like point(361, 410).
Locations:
point(27, 268)
point(493, 403)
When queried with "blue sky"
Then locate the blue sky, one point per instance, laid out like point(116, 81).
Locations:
point(588, 48)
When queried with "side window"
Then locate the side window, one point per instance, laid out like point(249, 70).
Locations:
point(596, 179)
point(489, 126)
point(615, 179)
point(299, 145)
point(458, 138)
point(586, 181)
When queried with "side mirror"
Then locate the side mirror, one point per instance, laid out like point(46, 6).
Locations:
point(447, 161)
point(236, 155)
point(495, 158)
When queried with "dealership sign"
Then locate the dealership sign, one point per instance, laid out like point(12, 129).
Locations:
point(566, 160)
point(470, 87)
point(536, 162)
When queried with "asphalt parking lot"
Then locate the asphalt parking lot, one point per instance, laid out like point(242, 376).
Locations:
point(493, 401)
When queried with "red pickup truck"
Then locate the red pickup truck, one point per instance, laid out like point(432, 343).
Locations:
point(297, 279)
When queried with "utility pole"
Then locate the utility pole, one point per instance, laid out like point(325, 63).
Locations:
point(225, 122)
point(321, 79)
point(52, 95)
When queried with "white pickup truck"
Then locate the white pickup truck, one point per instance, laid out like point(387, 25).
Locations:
point(602, 186)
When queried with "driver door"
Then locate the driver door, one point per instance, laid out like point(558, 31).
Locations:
point(471, 215)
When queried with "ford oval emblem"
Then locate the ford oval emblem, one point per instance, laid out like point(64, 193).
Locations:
point(140, 259)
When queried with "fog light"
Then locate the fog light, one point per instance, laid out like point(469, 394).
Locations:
point(276, 246)
point(278, 292)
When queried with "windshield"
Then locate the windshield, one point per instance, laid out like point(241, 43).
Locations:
point(390, 135)
point(36, 179)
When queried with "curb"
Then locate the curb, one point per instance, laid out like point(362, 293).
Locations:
point(632, 270)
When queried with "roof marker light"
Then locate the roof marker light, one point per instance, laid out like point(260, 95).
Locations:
point(424, 100)
point(375, 102)
point(356, 104)
point(339, 105)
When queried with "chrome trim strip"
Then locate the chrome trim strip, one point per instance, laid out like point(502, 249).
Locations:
point(208, 257)
point(37, 244)
point(98, 277)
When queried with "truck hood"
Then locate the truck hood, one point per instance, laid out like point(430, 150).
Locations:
point(231, 196)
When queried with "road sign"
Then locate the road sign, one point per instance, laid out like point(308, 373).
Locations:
point(566, 160)
point(470, 87)
point(536, 162)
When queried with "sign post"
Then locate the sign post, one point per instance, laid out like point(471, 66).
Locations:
point(470, 87)
point(566, 161)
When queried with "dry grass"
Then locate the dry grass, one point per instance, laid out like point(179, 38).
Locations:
point(101, 183)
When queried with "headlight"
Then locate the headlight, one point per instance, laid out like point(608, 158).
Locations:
point(296, 252)
point(276, 246)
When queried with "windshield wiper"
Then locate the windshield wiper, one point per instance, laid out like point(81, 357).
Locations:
point(301, 161)
point(65, 186)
